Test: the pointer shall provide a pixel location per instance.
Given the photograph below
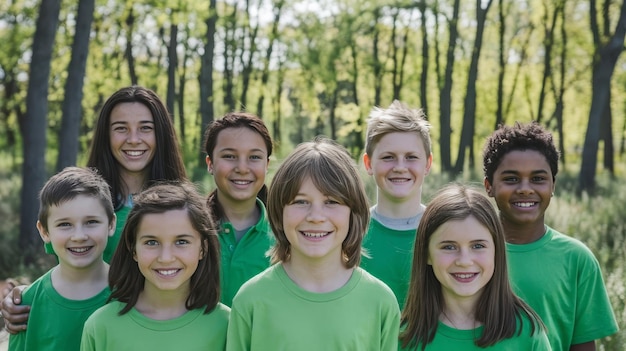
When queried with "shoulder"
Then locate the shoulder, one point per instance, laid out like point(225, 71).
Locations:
point(106, 312)
point(375, 286)
point(259, 283)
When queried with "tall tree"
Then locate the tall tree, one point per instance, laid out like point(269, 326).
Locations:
point(425, 57)
point(607, 50)
point(469, 113)
point(207, 112)
point(445, 87)
point(33, 126)
point(72, 103)
point(265, 74)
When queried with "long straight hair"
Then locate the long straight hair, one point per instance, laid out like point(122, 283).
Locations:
point(167, 163)
point(498, 308)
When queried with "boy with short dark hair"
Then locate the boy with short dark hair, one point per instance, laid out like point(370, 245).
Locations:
point(76, 216)
point(557, 275)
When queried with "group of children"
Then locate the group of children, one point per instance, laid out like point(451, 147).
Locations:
point(319, 269)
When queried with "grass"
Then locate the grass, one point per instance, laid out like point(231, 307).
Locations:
point(597, 221)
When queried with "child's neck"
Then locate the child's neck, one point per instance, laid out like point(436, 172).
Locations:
point(318, 277)
point(80, 284)
point(162, 305)
point(460, 315)
point(241, 215)
point(399, 209)
point(523, 233)
point(134, 182)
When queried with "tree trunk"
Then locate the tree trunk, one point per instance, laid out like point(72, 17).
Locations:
point(72, 103)
point(130, 25)
point(207, 112)
point(268, 56)
point(425, 58)
point(445, 93)
point(603, 67)
point(469, 113)
point(172, 64)
point(33, 127)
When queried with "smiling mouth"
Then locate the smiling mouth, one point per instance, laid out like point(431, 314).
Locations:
point(79, 250)
point(242, 182)
point(526, 204)
point(135, 153)
point(315, 235)
point(399, 180)
point(167, 272)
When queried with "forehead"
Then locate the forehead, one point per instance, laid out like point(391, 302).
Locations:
point(461, 231)
point(167, 224)
point(523, 161)
point(240, 138)
point(79, 206)
point(397, 142)
point(131, 112)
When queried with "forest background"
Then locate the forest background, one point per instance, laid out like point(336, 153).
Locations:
point(318, 67)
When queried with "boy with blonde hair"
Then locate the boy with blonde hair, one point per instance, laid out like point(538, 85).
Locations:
point(398, 156)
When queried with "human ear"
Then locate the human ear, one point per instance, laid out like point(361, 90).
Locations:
point(488, 187)
point(367, 162)
point(209, 164)
point(112, 225)
point(45, 236)
point(429, 163)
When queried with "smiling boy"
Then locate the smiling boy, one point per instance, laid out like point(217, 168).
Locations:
point(557, 275)
point(398, 156)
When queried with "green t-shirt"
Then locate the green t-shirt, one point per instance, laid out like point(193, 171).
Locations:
point(271, 312)
point(559, 277)
point(243, 259)
point(55, 322)
point(109, 250)
point(451, 339)
point(106, 330)
point(390, 257)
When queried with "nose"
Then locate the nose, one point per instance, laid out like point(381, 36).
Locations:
point(166, 254)
point(133, 136)
point(316, 213)
point(242, 165)
point(464, 258)
point(79, 234)
point(525, 187)
point(399, 166)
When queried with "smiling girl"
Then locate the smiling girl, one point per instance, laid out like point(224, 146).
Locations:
point(164, 279)
point(459, 294)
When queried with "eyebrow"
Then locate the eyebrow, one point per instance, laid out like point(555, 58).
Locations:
point(231, 149)
point(537, 171)
point(126, 122)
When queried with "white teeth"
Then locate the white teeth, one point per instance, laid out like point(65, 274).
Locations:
point(314, 235)
point(395, 180)
point(524, 204)
point(464, 275)
point(79, 249)
point(167, 272)
point(134, 153)
point(242, 182)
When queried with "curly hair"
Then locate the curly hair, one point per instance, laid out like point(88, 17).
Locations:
point(520, 136)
